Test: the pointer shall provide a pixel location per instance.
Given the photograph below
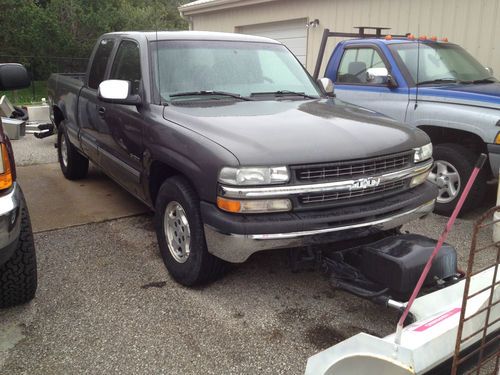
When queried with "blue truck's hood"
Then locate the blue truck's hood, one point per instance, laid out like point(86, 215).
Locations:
point(481, 95)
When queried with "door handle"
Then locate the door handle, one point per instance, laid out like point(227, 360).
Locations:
point(101, 111)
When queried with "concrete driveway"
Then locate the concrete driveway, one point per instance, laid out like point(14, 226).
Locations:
point(106, 304)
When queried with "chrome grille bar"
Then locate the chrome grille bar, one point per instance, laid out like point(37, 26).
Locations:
point(319, 188)
point(332, 197)
point(365, 167)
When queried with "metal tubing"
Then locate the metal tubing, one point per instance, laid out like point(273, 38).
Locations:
point(396, 304)
point(482, 359)
point(442, 238)
point(361, 34)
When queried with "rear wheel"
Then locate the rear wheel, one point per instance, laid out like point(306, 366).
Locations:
point(453, 165)
point(73, 165)
point(18, 276)
point(181, 236)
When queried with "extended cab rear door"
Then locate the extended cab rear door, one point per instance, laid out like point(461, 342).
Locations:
point(348, 70)
point(120, 140)
point(89, 117)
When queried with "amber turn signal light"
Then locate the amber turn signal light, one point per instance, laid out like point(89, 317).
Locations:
point(228, 205)
point(6, 179)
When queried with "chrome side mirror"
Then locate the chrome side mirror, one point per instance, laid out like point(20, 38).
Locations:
point(326, 85)
point(380, 76)
point(118, 92)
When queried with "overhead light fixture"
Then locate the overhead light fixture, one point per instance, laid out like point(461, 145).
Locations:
point(313, 24)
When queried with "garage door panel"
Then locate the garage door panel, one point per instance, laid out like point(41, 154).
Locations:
point(299, 52)
point(293, 43)
point(289, 32)
point(284, 25)
point(283, 34)
point(292, 34)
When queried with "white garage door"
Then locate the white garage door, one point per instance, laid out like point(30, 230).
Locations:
point(292, 34)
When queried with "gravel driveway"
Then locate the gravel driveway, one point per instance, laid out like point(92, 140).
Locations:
point(106, 304)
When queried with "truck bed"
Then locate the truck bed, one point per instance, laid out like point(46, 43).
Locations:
point(66, 87)
point(64, 83)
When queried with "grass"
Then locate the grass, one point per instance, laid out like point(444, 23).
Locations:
point(25, 96)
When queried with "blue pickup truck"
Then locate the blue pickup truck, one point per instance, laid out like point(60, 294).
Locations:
point(430, 84)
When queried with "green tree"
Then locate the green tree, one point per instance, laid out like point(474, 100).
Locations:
point(48, 29)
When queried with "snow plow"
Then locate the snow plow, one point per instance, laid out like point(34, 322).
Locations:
point(449, 322)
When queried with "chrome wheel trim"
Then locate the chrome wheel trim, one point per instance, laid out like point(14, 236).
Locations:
point(177, 232)
point(64, 151)
point(446, 177)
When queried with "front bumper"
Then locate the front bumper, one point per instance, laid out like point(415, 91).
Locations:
point(235, 237)
point(11, 204)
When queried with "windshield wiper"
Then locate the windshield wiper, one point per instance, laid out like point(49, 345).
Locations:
point(440, 80)
point(484, 80)
point(284, 93)
point(209, 93)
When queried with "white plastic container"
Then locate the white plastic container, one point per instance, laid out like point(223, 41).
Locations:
point(38, 113)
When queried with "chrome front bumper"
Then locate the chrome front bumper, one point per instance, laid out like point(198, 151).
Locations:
point(10, 220)
point(237, 248)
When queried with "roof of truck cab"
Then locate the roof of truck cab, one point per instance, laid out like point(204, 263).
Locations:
point(194, 35)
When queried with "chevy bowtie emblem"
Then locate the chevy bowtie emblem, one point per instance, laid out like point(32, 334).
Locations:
point(364, 183)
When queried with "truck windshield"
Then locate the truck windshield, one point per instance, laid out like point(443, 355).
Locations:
point(190, 69)
point(440, 63)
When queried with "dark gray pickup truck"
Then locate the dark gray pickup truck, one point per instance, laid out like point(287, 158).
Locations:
point(235, 147)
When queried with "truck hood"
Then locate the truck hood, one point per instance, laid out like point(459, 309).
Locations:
point(481, 95)
point(295, 132)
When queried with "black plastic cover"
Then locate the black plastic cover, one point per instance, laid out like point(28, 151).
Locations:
point(13, 77)
point(397, 262)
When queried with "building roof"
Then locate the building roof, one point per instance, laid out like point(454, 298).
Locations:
point(196, 3)
point(202, 6)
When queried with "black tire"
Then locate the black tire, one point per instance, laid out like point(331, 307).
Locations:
point(199, 266)
point(18, 276)
point(463, 160)
point(75, 166)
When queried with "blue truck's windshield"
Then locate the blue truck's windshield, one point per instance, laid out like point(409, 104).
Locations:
point(223, 66)
point(439, 63)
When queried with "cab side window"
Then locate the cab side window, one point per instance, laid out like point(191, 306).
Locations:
point(127, 65)
point(101, 58)
point(355, 63)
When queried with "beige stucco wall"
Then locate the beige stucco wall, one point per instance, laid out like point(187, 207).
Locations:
point(474, 24)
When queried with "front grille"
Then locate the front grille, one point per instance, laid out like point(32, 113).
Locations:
point(337, 196)
point(350, 169)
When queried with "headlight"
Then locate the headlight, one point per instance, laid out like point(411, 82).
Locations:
point(423, 153)
point(254, 175)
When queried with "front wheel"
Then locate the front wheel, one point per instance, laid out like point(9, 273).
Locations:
point(181, 237)
point(453, 165)
point(18, 276)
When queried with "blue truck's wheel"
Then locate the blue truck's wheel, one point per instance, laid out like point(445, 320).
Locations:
point(453, 165)
point(73, 165)
point(181, 236)
point(18, 276)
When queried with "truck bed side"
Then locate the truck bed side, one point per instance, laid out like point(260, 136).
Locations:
point(64, 92)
